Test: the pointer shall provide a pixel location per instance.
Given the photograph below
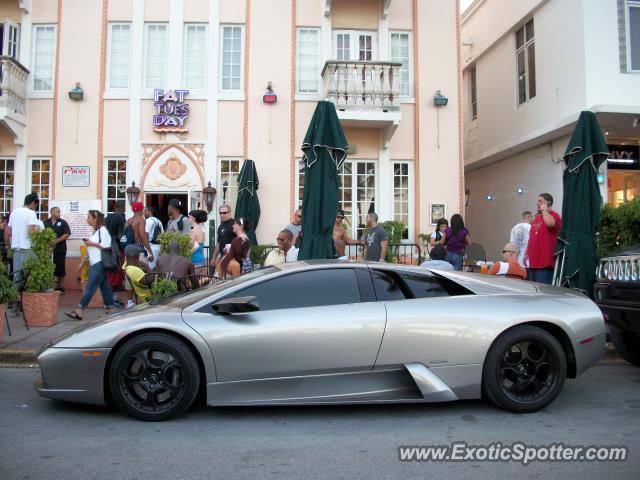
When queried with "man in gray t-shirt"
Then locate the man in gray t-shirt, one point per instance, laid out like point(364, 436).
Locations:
point(177, 221)
point(295, 226)
point(375, 240)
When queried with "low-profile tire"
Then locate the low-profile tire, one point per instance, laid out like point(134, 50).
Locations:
point(626, 343)
point(524, 370)
point(154, 377)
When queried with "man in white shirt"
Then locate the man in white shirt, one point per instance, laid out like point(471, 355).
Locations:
point(520, 235)
point(22, 223)
point(154, 228)
point(285, 252)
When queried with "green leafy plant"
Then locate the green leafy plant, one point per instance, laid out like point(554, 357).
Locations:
point(39, 267)
point(258, 253)
point(8, 291)
point(185, 242)
point(619, 227)
point(163, 288)
point(394, 231)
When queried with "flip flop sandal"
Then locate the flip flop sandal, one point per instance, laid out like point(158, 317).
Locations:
point(73, 315)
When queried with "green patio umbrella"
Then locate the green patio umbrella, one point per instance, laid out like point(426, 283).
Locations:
point(324, 149)
point(248, 205)
point(581, 205)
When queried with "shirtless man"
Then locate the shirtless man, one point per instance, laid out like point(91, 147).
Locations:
point(172, 263)
point(137, 223)
point(340, 233)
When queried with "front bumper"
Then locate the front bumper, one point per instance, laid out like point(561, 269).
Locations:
point(620, 302)
point(73, 374)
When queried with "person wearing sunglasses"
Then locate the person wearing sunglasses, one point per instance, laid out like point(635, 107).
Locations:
point(509, 266)
point(225, 234)
point(286, 251)
point(340, 234)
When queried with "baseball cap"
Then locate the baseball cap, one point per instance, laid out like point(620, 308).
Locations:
point(174, 202)
point(137, 206)
point(133, 250)
point(340, 213)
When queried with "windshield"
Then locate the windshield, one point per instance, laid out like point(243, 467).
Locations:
point(201, 293)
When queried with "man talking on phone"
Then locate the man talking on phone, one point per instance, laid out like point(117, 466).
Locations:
point(542, 240)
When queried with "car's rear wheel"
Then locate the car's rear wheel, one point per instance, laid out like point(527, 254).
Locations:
point(626, 343)
point(154, 376)
point(524, 370)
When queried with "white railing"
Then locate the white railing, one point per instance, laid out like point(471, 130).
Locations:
point(364, 84)
point(13, 85)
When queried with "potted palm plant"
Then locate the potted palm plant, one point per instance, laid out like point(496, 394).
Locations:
point(8, 293)
point(40, 300)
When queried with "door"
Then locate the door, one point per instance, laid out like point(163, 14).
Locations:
point(310, 322)
point(10, 39)
point(355, 45)
point(160, 202)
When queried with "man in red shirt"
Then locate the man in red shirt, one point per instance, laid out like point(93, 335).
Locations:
point(542, 241)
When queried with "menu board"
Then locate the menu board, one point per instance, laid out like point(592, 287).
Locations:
point(75, 213)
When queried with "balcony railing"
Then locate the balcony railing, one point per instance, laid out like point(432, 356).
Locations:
point(13, 85)
point(360, 84)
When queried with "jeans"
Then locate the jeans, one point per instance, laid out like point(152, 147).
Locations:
point(97, 278)
point(455, 260)
point(541, 275)
point(19, 257)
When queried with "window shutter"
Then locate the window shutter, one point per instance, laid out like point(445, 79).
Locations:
point(119, 56)
point(195, 55)
point(43, 58)
point(308, 60)
point(400, 53)
point(155, 56)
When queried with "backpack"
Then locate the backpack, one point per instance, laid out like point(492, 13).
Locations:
point(128, 237)
point(110, 258)
point(157, 230)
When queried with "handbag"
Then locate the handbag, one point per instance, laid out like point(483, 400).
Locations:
point(109, 257)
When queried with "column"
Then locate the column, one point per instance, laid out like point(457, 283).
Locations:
point(134, 162)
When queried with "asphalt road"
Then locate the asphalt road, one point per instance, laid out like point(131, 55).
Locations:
point(42, 439)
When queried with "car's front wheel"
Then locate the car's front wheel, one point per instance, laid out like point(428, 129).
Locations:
point(154, 376)
point(524, 370)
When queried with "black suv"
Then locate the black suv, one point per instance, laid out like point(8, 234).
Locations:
point(617, 293)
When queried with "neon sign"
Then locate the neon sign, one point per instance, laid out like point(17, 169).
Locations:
point(170, 111)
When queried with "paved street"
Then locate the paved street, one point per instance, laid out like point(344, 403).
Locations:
point(46, 439)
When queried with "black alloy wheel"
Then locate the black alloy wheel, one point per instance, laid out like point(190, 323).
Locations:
point(524, 370)
point(154, 377)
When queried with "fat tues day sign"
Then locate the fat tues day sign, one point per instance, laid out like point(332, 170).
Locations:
point(170, 111)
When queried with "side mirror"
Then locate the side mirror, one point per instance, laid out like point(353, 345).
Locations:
point(236, 305)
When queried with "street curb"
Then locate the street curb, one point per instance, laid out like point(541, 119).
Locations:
point(18, 356)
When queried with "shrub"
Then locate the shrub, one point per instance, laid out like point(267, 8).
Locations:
point(395, 231)
point(185, 242)
point(258, 253)
point(39, 267)
point(163, 288)
point(619, 227)
point(8, 291)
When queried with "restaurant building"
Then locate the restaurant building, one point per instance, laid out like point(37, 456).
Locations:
point(529, 68)
point(174, 94)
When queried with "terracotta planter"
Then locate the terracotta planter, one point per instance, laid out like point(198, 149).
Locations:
point(40, 309)
point(3, 309)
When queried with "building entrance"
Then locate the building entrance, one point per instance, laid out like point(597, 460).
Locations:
point(160, 201)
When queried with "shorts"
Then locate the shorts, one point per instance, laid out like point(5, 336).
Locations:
point(59, 261)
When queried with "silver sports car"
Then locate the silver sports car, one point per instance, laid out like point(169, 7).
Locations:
point(325, 332)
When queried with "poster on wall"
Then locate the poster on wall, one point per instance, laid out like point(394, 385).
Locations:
point(437, 211)
point(75, 213)
point(76, 176)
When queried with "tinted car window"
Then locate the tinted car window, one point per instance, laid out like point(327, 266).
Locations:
point(387, 286)
point(423, 286)
point(306, 289)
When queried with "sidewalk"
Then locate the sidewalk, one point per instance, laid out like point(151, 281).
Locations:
point(22, 345)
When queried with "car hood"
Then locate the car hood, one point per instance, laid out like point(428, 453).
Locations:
point(633, 250)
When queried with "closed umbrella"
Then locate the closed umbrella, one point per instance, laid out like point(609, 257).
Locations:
point(324, 149)
point(576, 263)
point(248, 205)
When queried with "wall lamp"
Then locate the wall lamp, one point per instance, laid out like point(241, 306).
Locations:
point(76, 93)
point(439, 100)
